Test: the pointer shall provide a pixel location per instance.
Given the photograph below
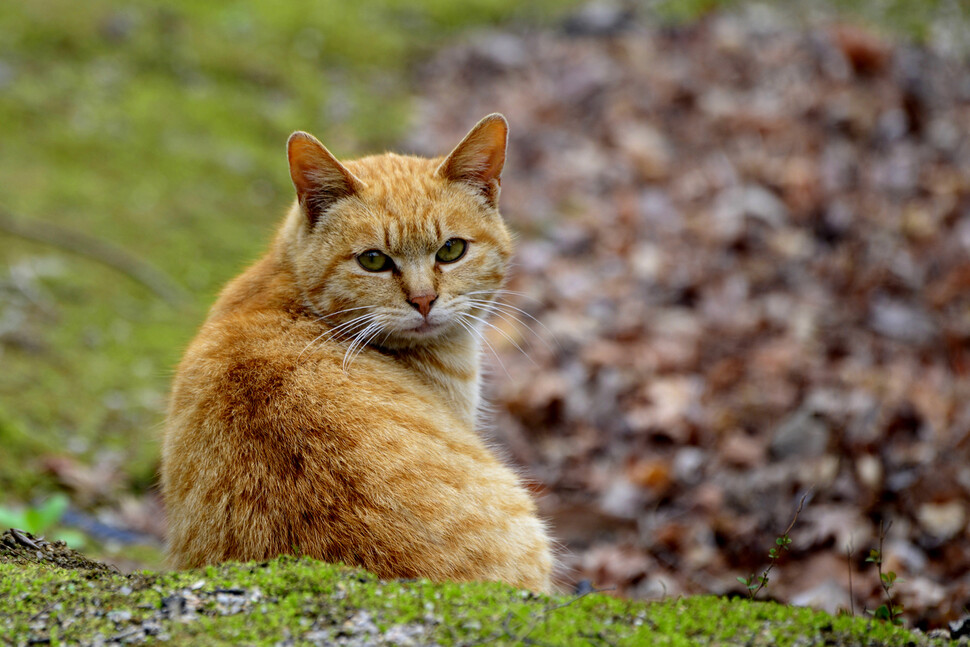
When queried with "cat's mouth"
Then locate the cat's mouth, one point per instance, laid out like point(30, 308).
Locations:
point(425, 327)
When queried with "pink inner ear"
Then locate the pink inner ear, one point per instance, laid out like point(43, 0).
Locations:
point(480, 157)
point(494, 144)
point(317, 175)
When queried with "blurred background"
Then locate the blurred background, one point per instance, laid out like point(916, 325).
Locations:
point(743, 266)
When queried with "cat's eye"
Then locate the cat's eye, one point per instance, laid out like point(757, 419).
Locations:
point(451, 251)
point(374, 261)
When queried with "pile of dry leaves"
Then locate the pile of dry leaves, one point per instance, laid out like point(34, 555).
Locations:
point(745, 246)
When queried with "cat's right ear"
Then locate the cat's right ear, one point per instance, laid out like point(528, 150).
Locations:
point(320, 180)
point(479, 158)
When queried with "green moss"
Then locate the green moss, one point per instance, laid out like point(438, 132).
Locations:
point(302, 598)
point(19, 469)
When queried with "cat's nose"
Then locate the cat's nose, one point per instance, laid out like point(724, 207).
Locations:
point(423, 302)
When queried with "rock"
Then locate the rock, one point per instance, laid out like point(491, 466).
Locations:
point(804, 434)
point(647, 149)
point(960, 628)
point(902, 321)
point(942, 520)
point(742, 450)
point(622, 499)
point(829, 596)
point(599, 18)
point(735, 203)
point(500, 51)
point(869, 470)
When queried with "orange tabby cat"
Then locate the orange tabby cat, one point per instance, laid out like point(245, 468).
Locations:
point(328, 405)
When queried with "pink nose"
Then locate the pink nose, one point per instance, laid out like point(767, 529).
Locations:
point(423, 302)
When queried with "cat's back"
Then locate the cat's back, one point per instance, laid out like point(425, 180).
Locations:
point(273, 446)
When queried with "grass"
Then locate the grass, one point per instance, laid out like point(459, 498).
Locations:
point(303, 599)
point(160, 129)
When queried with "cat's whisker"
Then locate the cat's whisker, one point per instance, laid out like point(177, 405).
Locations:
point(347, 327)
point(340, 312)
point(312, 342)
point(363, 344)
point(360, 342)
point(508, 317)
point(508, 305)
point(514, 321)
point(502, 304)
point(477, 333)
point(500, 309)
point(343, 328)
point(370, 339)
point(378, 329)
point(353, 344)
point(350, 327)
point(501, 292)
point(386, 337)
point(504, 334)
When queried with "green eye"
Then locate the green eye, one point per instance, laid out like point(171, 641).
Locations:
point(375, 261)
point(451, 251)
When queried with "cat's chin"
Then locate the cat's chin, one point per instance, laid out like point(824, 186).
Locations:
point(421, 335)
point(425, 328)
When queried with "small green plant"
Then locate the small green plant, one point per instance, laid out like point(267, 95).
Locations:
point(754, 583)
point(889, 612)
point(42, 519)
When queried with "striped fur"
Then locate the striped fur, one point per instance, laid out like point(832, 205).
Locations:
point(286, 433)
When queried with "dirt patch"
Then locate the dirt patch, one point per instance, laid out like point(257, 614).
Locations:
point(21, 547)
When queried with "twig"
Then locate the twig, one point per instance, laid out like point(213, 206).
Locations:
point(848, 563)
point(883, 531)
point(98, 250)
point(598, 638)
point(22, 540)
point(773, 554)
point(886, 580)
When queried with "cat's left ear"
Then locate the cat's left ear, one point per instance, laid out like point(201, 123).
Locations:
point(479, 158)
point(320, 180)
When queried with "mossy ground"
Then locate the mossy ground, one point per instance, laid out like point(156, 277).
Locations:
point(307, 602)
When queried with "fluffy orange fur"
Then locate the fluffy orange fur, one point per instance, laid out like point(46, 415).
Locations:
point(329, 410)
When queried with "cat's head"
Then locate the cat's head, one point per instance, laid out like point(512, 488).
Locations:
point(400, 250)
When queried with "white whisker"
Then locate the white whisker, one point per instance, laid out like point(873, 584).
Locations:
point(499, 308)
point(358, 340)
point(378, 328)
point(503, 292)
point(503, 333)
point(329, 333)
point(507, 317)
point(349, 327)
point(475, 332)
point(340, 312)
